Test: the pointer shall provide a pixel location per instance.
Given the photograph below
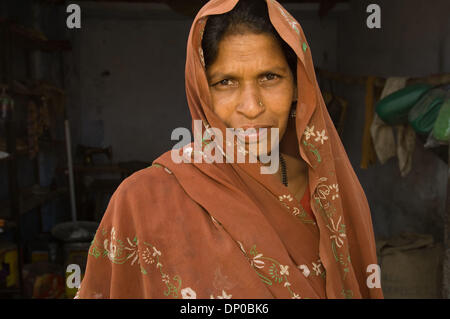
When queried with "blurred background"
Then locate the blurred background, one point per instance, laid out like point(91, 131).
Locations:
point(82, 109)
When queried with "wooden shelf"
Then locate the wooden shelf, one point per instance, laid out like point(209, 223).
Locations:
point(30, 200)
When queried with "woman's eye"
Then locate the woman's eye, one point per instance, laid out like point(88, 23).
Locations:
point(224, 83)
point(269, 77)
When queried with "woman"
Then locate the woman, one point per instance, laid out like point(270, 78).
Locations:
point(225, 230)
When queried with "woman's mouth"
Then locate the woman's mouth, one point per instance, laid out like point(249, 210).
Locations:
point(250, 134)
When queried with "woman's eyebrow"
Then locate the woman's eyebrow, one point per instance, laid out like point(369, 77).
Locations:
point(221, 75)
point(227, 75)
point(276, 69)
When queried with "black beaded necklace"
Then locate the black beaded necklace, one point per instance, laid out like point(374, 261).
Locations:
point(283, 170)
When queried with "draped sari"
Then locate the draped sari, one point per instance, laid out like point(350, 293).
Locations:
point(224, 230)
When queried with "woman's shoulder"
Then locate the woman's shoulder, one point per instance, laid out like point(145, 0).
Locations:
point(147, 192)
point(154, 178)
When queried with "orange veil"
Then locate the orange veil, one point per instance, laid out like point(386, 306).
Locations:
point(224, 230)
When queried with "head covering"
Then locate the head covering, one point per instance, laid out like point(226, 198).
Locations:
point(258, 241)
point(346, 245)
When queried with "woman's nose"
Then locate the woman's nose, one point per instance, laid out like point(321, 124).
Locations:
point(250, 104)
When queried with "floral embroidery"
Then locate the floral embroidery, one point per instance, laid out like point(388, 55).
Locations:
point(224, 295)
point(276, 272)
point(257, 262)
point(313, 150)
point(317, 267)
point(305, 270)
point(304, 46)
point(339, 232)
point(337, 229)
point(323, 190)
point(321, 137)
point(348, 294)
point(336, 188)
point(309, 131)
point(298, 212)
point(284, 270)
point(120, 252)
point(188, 293)
point(289, 19)
point(288, 197)
point(302, 215)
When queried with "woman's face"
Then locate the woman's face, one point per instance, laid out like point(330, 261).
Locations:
point(251, 84)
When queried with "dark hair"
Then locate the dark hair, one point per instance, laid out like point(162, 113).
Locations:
point(247, 16)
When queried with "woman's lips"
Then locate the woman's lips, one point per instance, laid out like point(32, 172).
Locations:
point(254, 134)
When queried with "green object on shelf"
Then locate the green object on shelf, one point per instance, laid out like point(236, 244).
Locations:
point(393, 109)
point(441, 129)
point(423, 114)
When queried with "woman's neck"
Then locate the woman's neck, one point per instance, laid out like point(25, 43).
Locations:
point(295, 167)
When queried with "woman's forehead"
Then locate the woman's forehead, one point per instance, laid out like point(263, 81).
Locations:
point(251, 49)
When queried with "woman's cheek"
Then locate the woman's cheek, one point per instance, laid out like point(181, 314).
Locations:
point(223, 110)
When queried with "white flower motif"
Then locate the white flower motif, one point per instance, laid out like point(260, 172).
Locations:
point(284, 270)
point(110, 245)
point(295, 296)
point(165, 278)
point(257, 262)
point(287, 283)
point(188, 293)
point(134, 251)
point(316, 268)
point(338, 235)
point(146, 255)
point(296, 211)
point(288, 197)
point(335, 196)
point(224, 295)
point(156, 252)
point(321, 136)
point(336, 187)
point(309, 132)
point(305, 270)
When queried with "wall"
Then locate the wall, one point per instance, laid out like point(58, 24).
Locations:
point(128, 79)
point(127, 85)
